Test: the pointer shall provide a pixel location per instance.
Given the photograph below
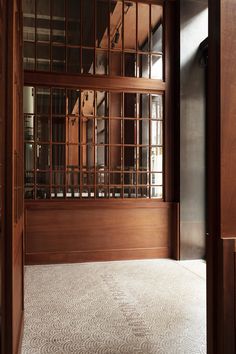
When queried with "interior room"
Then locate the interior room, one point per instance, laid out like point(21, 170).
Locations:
point(117, 230)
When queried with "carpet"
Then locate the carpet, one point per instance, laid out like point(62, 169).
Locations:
point(127, 307)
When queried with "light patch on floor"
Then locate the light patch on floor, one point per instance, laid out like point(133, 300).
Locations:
point(128, 307)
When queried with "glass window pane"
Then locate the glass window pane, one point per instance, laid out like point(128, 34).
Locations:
point(29, 99)
point(29, 193)
point(116, 28)
point(87, 131)
point(43, 57)
point(29, 56)
point(28, 8)
point(101, 157)
point(87, 103)
point(87, 61)
point(102, 104)
point(88, 23)
point(143, 178)
point(88, 157)
point(115, 158)
point(129, 25)
point(116, 104)
point(129, 192)
point(130, 64)
point(144, 158)
point(143, 192)
point(116, 178)
point(156, 28)
point(144, 132)
point(58, 21)
point(156, 192)
point(58, 129)
point(116, 192)
point(29, 127)
point(58, 101)
point(156, 159)
point(157, 67)
point(73, 102)
point(43, 157)
point(101, 131)
point(130, 177)
point(157, 106)
point(43, 20)
point(73, 24)
point(101, 63)
point(102, 23)
point(43, 178)
point(157, 178)
point(73, 157)
point(157, 133)
point(115, 63)
point(29, 157)
point(58, 58)
point(29, 178)
point(130, 106)
point(73, 192)
point(102, 192)
point(73, 60)
point(143, 27)
point(43, 129)
point(144, 106)
point(58, 157)
point(43, 100)
point(129, 131)
point(58, 192)
point(129, 158)
point(42, 193)
point(144, 68)
point(116, 133)
point(88, 178)
point(88, 192)
point(58, 178)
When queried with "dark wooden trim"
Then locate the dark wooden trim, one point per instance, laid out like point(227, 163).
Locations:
point(124, 84)
point(96, 256)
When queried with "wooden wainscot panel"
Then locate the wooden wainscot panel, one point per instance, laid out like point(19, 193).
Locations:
point(98, 230)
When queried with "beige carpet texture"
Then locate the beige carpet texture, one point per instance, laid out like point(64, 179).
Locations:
point(128, 307)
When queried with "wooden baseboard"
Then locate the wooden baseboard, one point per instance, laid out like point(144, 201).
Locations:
point(96, 256)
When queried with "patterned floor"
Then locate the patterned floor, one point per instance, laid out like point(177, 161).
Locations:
point(132, 307)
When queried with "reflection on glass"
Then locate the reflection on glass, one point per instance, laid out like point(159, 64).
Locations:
point(101, 63)
point(144, 158)
point(58, 101)
point(129, 131)
point(115, 158)
point(143, 106)
point(43, 20)
point(87, 61)
point(73, 24)
point(143, 27)
point(58, 129)
point(58, 58)
point(156, 137)
point(88, 23)
point(129, 25)
point(43, 100)
point(156, 105)
point(29, 127)
point(87, 103)
point(130, 106)
point(42, 193)
point(29, 56)
point(87, 130)
point(156, 159)
point(73, 60)
point(43, 57)
point(116, 28)
point(130, 64)
point(101, 131)
point(157, 67)
point(58, 178)
point(129, 158)
point(102, 103)
point(156, 28)
point(116, 104)
point(144, 66)
point(144, 132)
point(43, 129)
point(58, 21)
point(28, 8)
point(58, 157)
point(115, 63)
point(73, 158)
point(73, 101)
point(102, 23)
point(42, 157)
point(29, 156)
point(101, 157)
point(43, 178)
point(156, 192)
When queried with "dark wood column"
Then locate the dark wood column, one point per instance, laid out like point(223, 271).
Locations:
point(221, 143)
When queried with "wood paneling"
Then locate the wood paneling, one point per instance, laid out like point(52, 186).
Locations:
point(63, 231)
